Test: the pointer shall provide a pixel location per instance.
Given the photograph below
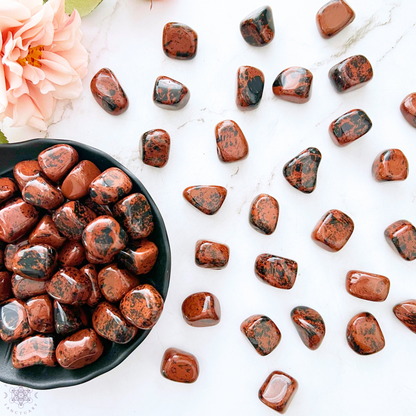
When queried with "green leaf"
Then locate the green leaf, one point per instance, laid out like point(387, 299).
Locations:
point(84, 7)
point(3, 138)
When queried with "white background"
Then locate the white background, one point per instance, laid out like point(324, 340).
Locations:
point(125, 35)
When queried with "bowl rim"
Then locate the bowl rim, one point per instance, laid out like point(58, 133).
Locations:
point(42, 384)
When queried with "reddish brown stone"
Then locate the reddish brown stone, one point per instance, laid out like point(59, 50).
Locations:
point(364, 334)
point(77, 184)
point(17, 218)
point(278, 391)
point(210, 255)
point(351, 73)
point(57, 161)
point(109, 323)
point(40, 314)
point(310, 326)
point(408, 109)
point(367, 286)
point(207, 198)
point(155, 148)
point(40, 193)
point(179, 366)
point(264, 214)
point(34, 350)
point(294, 84)
point(250, 85)
point(98, 209)
point(257, 28)
point(301, 172)
point(349, 127)
point(72, 218)
point(231, 142)
point(5, 286)
point(110, 186)
point(108, 92)
point(262, 333)
point(334, 17)
point(103, 239)
point(390, 165)
point(401, 235)
point(135, 214)
point(201, 309)
point(79, 349)
point(37, 262)
point(91, 272)
point(68, 318)
point(10, 250)
point(170, 94)
point(69, 286)
point(333, 230)
point(46, 232)
point(179, 41)
point(25, 171)
point(142, 306)
point(24, 288)
point(72, 254)
point(8, 189)
point(276, 271)
point(115, 282)
point(13, 321)
point(406, 313)
point(141, 258)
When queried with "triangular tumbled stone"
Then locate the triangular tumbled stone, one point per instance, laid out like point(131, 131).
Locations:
point(302, 170)
point(207, 198)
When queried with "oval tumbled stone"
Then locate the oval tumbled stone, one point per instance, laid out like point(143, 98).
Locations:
point(264, 214)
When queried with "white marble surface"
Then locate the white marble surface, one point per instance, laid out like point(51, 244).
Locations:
point(125, 35)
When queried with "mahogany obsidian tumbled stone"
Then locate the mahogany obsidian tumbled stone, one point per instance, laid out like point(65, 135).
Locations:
point(68, 318)
point(302, 171)
point(14, 323)
point(179, 366)
point(334, 17)
point(408, 109)
point(179, 41)
point(351, 73)
point(262, 333)
point(250, 85)
point(201, 309)
point(140, 257)
point(25, 171)
point(401, 236)
point(40, 314)
point(170, 94)
point(368, 286)
point(8, 188)
point(349, 127)
point(206, 198)
point(310, 326)
point(276, 271)
point(264, 214)
point(257, 28)
point(211, 255)
point(108, 92)
point(40, 193)
point(294, 84)
point(405, 312)
point(231, 142)
point(155, 148)
point(72, 254)
point(91, 272)
point(35, 350)
point(390, 165)
point(10, 250)
point(57, 161)
point(25, 288)
point(46, 232)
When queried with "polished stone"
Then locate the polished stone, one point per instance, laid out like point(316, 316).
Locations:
point(201, 309)
point(46, 232)
point(408, 109)
point(334, 17)
point(262, 333)
point(364, 334)
point(294, 84)
point(8, 189)
point(211, 255)
point(405, 312)
point(108, 92)
point(257, 28)
point(140, 257)
point(302, 171)
point(179, 41)
point(155, 148)
point(278, 391)
point(231, 142)
point(349, 127)
point(72, 254)
point(35, 350)
point(179, 366)
point(310, 326)
point(25, 171)
point(250, 86)
point(401, 235)
point(350, 74)
point(206, 198)
point(40, 314)
point(40, 193)
point(14, 323)
point(91, 272)
point(390, 165)
point(264, 214)
point(333, 230)
point(367, 286)
point(68, 318)
point(24, 288)
point(276, 271)
point(170, 94)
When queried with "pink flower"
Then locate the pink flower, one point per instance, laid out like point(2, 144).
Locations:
point(42, 59)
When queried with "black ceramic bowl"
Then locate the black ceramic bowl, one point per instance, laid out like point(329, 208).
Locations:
point(39, 377)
